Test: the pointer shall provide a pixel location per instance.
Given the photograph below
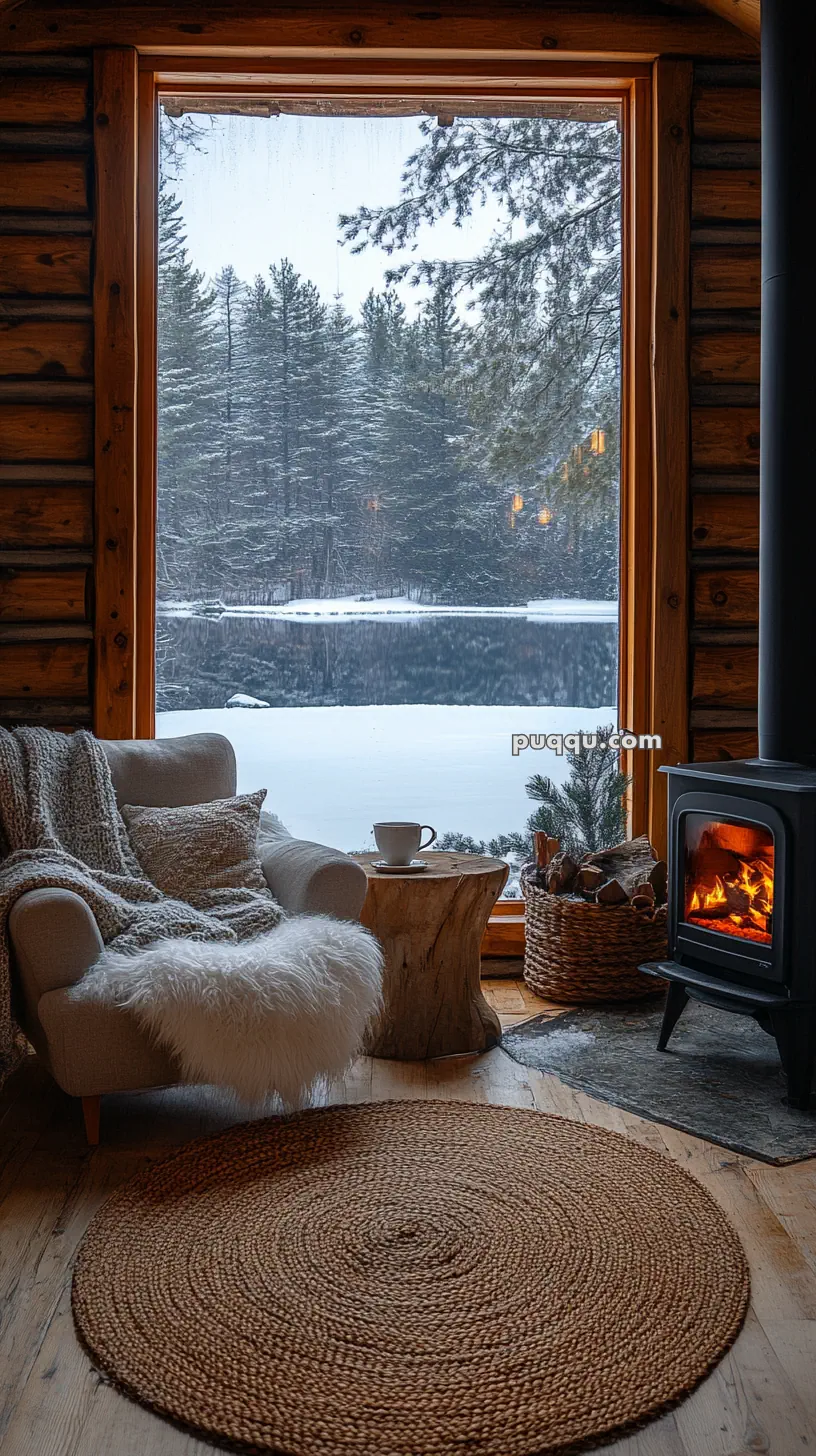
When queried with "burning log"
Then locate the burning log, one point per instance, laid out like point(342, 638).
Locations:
point(738, 899)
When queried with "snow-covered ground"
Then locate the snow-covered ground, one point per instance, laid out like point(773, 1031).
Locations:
point(361, 608)
point(332, 772)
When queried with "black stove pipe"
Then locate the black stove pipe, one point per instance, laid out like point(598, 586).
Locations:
point(787, 552)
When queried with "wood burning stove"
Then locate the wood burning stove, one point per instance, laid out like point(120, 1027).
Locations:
point(742, 849)
point(742, 905)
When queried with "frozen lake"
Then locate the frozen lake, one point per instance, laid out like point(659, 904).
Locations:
point(356, 653)
point(385, 709)
point(331, 772)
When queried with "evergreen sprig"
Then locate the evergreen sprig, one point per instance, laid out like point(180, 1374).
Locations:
point(587, 813)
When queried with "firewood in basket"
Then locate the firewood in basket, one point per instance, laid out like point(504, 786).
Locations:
point(659, 880)
point(545, 847)
point(630, 863)
point(589, 879)
point(612, 893)
point(561, 872)
point(532, 873)
point(644, 892)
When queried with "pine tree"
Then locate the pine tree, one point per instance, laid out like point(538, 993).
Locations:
point(444, 454)
point(389, 440)
point(587, 813)
point(229, 293)
point(187, 451)
point(337, 466)
point(543, 357)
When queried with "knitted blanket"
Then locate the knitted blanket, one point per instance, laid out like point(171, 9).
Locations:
point(60, 827)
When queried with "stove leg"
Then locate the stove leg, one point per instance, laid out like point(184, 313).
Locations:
point(675, 1006)
point(795, 1033)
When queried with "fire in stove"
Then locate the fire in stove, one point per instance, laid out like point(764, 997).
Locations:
point(729, 874)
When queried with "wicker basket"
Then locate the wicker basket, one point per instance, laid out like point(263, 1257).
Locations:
point(578, 951)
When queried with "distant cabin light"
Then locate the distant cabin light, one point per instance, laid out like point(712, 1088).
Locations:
point(373, 505)
point(518, 502)
point(598, 442)
point(545, 516)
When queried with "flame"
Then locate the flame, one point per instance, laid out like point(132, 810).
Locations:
point(740, 903)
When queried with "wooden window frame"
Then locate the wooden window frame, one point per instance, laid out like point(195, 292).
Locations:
point(655, 97)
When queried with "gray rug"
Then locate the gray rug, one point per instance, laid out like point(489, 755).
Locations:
point(720, 1078)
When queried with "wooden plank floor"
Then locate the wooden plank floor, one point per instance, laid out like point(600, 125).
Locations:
point(761, 1399)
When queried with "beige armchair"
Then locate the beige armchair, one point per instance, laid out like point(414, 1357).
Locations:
point(92, 1049)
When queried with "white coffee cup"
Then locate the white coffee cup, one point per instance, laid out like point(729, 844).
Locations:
point(399, 841)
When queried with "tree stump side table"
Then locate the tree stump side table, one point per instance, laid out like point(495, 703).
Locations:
point(430, 926)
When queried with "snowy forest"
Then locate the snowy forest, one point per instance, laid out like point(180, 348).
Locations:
point(458, 443)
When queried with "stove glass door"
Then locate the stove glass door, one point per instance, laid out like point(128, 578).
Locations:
point(728, 872)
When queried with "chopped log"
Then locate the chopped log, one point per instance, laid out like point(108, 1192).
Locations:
point(644, 892)
point(612, 893)
point(630, 863)
point(659, 881)
point(589, 879)
point(532, 873)
point(545, 847)
point(561, 873)
point(642, 902)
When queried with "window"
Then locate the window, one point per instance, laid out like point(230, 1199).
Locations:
point(388, 453)
point(424, 641)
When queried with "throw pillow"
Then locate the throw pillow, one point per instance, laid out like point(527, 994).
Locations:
point(195, 848)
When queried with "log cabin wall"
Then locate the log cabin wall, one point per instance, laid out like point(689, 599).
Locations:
point(47, 509)
point(724, 380)
point(46, 390)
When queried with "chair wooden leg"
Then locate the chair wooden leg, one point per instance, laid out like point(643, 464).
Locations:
point(91, 1108)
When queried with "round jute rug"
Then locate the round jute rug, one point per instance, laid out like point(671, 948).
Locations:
point(410, 1279)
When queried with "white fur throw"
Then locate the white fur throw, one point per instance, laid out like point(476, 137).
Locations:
point(277, 1013)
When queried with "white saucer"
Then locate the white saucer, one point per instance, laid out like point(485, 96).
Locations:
point(415, 867)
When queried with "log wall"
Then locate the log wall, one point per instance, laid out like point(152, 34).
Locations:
point(46, 390)
point(724, 380)
point(47, 508)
